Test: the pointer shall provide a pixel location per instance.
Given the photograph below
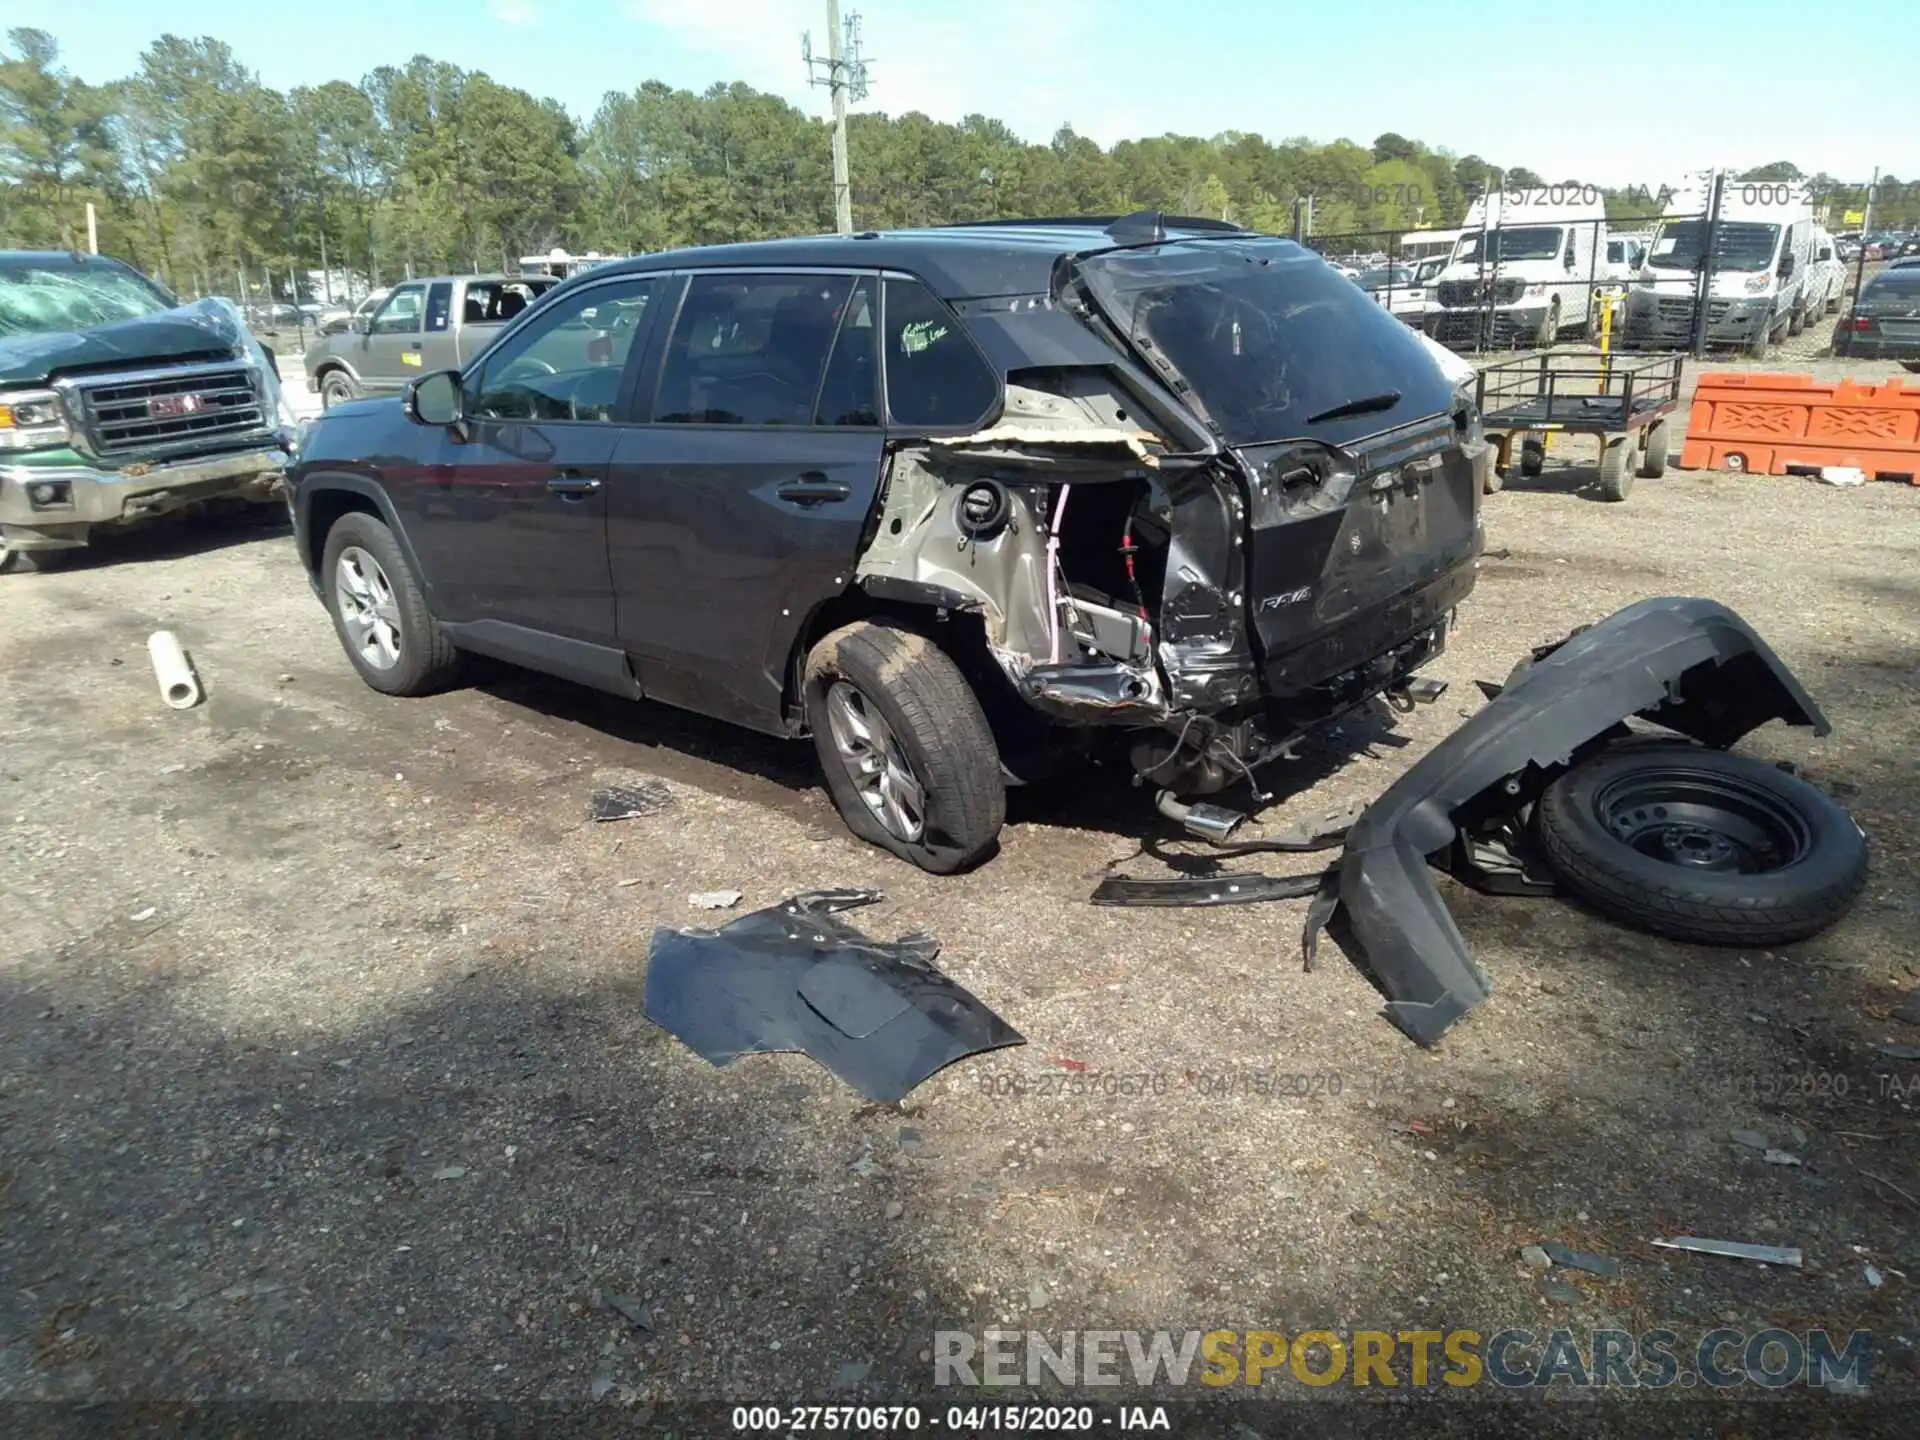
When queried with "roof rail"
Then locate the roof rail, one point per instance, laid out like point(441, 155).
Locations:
point(1097, 222)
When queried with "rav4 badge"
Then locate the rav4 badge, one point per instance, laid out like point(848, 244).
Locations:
point(1292, 597)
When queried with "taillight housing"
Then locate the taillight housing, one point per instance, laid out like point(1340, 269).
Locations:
point(1860, 322)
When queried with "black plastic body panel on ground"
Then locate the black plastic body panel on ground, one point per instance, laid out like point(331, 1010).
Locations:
point(1689, 665)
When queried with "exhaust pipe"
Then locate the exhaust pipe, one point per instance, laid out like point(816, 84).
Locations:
point(1214, 823)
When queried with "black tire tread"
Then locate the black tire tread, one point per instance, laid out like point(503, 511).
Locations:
point(1659, 438)
point(1673, 908)
point(938, 718)
point(429, 660)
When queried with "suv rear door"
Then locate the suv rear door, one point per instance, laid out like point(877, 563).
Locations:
point(740, 507)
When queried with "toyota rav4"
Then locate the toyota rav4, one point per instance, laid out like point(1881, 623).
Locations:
point(953, 502)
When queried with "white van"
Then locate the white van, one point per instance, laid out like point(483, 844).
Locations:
point(1826, 277)
point(1418, 245)
point(1761, 263)
point(1523, 270)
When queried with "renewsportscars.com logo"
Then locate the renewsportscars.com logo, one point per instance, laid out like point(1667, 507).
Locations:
point(1512, 1358)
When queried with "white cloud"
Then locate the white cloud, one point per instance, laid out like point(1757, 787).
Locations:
point(516, 13)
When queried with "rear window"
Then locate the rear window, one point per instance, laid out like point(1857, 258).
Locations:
point(1903, 283)
point(1268, 338)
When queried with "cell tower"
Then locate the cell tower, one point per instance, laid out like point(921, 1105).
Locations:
point(844, 73)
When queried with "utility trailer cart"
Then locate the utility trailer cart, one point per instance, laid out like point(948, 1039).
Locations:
point(1625, 403)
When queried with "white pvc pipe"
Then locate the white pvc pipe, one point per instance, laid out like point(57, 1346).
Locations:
point(179, 686)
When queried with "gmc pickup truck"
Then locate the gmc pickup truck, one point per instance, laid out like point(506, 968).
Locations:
point(118, 403)
point(422, 326)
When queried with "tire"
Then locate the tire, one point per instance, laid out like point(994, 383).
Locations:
point(1799, 882)
point(29, 562)
point(879, 692)
point(1533, 455)
point(1912, 365)
point(1653, 462)
point(1549, 330)
point(1797, 321)
point(1495, 479)
point(337, 388)
point(1616, 467)
point(1762, 342)
point(422, 659)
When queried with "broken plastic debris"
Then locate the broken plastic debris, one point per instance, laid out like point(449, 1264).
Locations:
point(1734, 1250)
point(1842, 475)
point(714, 899)
point(1602, 1265)
point(1874, 1278)
point(795, 976)
point(1752, 1139)
point(1901, 1052)
point(630, 802)
point(630, 1310)
point(179, 685)
point(1781, 1157)
point(1206, 890)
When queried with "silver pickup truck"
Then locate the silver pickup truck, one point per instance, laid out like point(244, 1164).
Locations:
point(438, 323)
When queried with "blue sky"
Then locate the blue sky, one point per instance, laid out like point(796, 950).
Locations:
point(1613, 94)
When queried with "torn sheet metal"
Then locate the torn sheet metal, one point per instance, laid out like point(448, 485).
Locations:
point(1014, 436)
point(1735, 1250)
point(1690, 665)
point(795, 976)
point(1202, 891)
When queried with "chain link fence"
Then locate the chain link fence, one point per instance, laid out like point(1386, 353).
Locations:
point(1747, 272)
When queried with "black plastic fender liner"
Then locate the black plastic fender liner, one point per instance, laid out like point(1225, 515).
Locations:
point(1691, 665)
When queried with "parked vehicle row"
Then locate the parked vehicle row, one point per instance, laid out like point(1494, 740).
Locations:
point(1884, 321)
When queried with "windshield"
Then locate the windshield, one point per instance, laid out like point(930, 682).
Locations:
point(1522, 242)
point(39, 299)
point(1267, 337)
point(1398, 278)
point(1741, 245)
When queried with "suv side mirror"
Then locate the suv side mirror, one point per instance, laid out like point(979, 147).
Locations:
point(360, 324)
point(434, 399)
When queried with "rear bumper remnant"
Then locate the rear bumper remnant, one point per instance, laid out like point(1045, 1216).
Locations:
point(1689, 665)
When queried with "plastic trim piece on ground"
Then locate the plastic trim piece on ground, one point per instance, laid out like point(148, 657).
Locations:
point(795, 976)
point(1689, 665)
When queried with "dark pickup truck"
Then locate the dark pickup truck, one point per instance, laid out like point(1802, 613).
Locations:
point(118, 403)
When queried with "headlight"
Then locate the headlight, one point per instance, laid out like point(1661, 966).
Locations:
point(1758, 284)
point(32, 420)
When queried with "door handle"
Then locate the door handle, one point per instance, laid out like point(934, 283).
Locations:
point(574, 485)
point(813, 488)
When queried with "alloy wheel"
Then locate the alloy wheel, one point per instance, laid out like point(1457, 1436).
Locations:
point(876, 763)
point(368, 609)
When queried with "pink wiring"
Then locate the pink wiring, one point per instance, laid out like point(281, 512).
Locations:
point(1053, 571)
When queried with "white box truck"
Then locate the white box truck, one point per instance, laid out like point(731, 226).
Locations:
point(1763, 253)
point(1523, 270)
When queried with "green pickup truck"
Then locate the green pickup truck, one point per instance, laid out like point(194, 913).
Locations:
point(422, 326)
point(118, 403)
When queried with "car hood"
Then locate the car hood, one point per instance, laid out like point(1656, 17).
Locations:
point(204, 328)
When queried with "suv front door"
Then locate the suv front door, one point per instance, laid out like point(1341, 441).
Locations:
point(389, 353)
point(739, 509)
point(510, 520)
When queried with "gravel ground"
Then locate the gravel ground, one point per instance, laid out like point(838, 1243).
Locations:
point(323, 1072)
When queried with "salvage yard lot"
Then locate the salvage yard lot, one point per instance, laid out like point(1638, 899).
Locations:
point(323, 1072)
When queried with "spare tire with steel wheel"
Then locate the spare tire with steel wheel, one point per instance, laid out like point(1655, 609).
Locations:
point(337, 389)
point(1653, 463)
point(1533, 455)
point(1616, 467)
point(1701, 845)
point(379, 612)
point(908, 755)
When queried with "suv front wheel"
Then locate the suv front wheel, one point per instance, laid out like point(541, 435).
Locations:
point(379, 612)
point(909, 757)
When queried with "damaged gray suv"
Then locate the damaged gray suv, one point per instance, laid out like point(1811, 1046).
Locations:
point(956, 503)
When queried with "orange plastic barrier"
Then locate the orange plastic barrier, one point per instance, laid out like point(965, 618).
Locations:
point(1769, 424)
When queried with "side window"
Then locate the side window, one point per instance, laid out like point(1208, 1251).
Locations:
point(750, 349)
point(848, 393)
point(439, 305)
point(400, 315)
point(567, 363)
point(935, 375)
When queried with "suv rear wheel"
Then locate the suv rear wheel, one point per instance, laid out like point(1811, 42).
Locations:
point(908, 756)
point(379, 613)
